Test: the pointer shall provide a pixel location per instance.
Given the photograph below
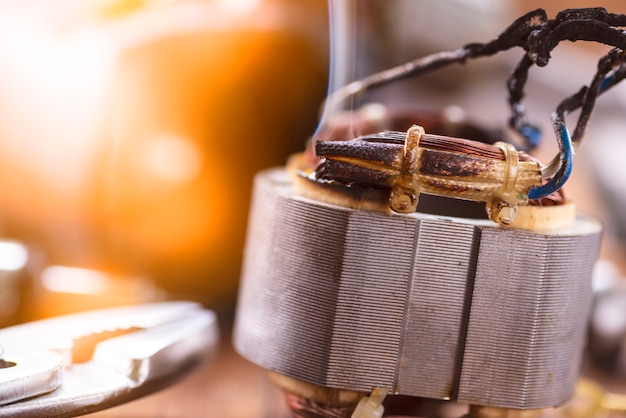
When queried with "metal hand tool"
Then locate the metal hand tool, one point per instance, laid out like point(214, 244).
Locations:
point(81, 363)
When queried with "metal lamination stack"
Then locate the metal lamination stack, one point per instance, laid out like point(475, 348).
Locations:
point(436, 307)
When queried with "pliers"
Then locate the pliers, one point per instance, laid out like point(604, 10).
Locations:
point(80, 363)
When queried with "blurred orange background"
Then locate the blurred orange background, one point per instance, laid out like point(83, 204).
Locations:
point(131, 131)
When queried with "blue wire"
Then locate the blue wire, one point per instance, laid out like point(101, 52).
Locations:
point(606, 83)
point(532, 135)
point(567, 161)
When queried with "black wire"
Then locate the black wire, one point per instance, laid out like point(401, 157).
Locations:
point(611, 70)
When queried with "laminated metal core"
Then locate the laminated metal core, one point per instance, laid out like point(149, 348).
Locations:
point(426, 306)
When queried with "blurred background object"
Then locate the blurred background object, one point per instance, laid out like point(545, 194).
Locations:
point(14, 257)
point(607, 336)
point(130, 130)
point(59, 290)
